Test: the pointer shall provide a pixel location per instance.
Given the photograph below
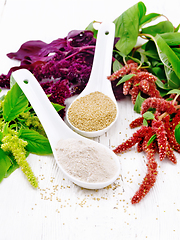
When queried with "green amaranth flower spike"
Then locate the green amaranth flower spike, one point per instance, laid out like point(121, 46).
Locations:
point(32, 122)
point(11, 143)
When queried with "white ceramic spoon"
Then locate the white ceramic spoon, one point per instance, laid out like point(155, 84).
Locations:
point(100, 70)
point(55, 128)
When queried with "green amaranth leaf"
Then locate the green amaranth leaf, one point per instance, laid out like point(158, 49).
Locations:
point(138, 103)
point(5, 128)
point(127, 27)
point(57, 106)
point(5, 163)
point(150, 50)
point(148, 18)
point(125, 78)
point(90, 27)
point(141, 10)
point(162, 85)
point(15, 103)
point(161, 27)
point(135, 60)
point(177, 51)
point(145, 122)
point(12, 81)
point(177, 133)
point(160, 74)
point(14, 165)
point(2, 97)
point(177, 28)
point(176, 91)
point(116, 65)
point(172, 79)
point(150, 53)
point(37, 143)
point(169, 59)
point(11, 169)
point(148, 115)
point(151, 139)
point(171, 38)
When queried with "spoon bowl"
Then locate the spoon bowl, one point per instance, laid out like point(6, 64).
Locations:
point(55, 128)
point(100, 70)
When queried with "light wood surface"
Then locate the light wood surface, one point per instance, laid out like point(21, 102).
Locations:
point(59, 209)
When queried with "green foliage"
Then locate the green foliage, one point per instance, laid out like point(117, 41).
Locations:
point(127, 27)
point(177, 133)
point(148, 18)
point(162, 27)
point(14, 103)
point(147, 116)
point(21, 133)
point(171, 38)
point(5, 164)
point(161, 51)
point(11, 143)
point(37, 143)
point(151, 139)
point(170, 60)
point(116, 65)
point(138, 103)
point(125, 78)
point(90, 27)
point(57, 106)
point(176, 91)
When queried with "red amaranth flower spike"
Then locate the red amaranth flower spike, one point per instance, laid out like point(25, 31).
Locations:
point(159, 129)
point(137, 136)
point(160, 132)
point(136, 123)
point(149, 88)
point(150, 78)
point(170, 154)
point(160, 104)
point(141, 82)
point(127, 86)
point(130, 67)
point(150, 178)
point(170, 138)
point(134, 93)
point(139, 145)
point(144, 85)
point(153, 92)
point(148, 182)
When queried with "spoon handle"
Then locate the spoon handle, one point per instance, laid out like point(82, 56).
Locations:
point(52, 123)
point(102, 59)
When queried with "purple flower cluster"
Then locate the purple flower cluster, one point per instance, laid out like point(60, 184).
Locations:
point(62, 67)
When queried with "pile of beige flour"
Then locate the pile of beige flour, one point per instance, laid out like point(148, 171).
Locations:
point(86, 160)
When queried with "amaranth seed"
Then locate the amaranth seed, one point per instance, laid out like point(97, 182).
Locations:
point(92, 112)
